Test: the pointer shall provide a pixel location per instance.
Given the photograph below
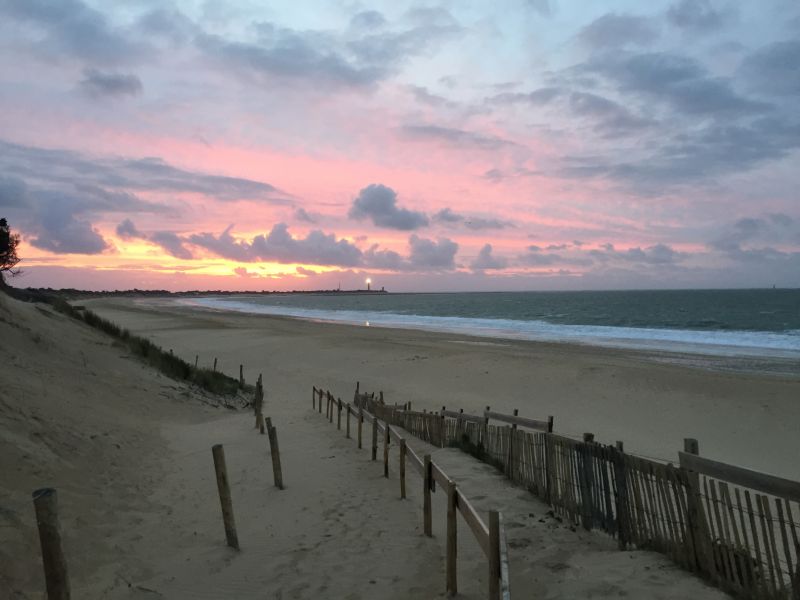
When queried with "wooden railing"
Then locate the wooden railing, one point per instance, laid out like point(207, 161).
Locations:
point(734, 526)
point(489, 536)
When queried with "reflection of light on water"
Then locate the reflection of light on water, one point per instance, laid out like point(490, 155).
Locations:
point(366, 323)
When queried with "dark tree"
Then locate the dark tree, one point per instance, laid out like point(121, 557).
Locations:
point(8, 250)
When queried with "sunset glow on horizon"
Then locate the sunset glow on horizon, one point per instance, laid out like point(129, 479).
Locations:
point(532, 144)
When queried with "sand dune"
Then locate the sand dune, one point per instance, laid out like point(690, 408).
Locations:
point(130, 454)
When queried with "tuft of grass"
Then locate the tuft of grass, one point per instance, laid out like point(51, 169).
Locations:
point(168, 364)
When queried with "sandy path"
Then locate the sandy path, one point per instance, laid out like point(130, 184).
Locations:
point(341, 494)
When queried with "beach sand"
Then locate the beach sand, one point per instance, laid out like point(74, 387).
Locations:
point(130, 453)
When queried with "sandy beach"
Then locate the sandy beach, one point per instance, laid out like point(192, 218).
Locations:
point(129, 451)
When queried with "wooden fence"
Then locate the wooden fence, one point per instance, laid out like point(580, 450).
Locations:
point(735, 527)
point(490, 536)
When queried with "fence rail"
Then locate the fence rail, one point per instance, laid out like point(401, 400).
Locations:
point(736, 527)
point(490, 537)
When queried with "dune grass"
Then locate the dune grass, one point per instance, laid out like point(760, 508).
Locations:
point(167, 363)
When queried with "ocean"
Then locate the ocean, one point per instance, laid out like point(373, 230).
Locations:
point(759, 323)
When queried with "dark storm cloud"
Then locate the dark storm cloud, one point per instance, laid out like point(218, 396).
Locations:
point(425, 256)
point(322, 58)
point(301, 214)
point(715, 150)
point(171, 243)
point(65, 167)
point(457, 137)
point(487, 261)
point(660, 254)
point(57, 229)
point(13, 192)
point(446, 216)
point(378, 203)
point(98, 84)
point(128, 231)
point(614, 30)
point(432, 255)
point(537, 97)
point(74, 29)
point(278, 245)
point(774, 69)
point(697, 15)
point(368, 19)
point(773, 228)
point(678, 80)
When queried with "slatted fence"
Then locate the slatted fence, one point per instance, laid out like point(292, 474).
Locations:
point(736, 527)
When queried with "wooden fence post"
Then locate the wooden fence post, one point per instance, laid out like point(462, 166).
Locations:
point(698, 525)
point(452, 539)
point(314, 397)
point(339, 414)
point(258, 404)
point(347, 409)
point(586, 480)
point(319, 404)
point(360, 425)
point(494, 555)
point(374, 437)
point(386, 449)
point(196, 358)
point(510, 460)
point(427, 518)
point(241, 377)
point(402, 468)
point(225, 496)
point(45, 502)
point(442, 429)
point(277, 472)
point(621, 478)
point(215, 364)
point(332, 405)
point(485, 432)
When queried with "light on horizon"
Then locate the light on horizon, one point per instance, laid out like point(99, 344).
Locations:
point(369, 283)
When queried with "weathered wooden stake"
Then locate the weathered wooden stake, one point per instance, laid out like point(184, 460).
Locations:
point(339, 414)
point(215, 364)
point(494, 555)
point(697, 523)
point(374, 437)
point(360, 425)
point(277, 473)
point(427, 518)
point(386, 449)
point(585, 479)
point(45, 502)
point(452, 539)
point(225, 496)
point(241, 377)
point(196, 358)
point(402, 468)
point(347, 409)
point(620, 446)
point(623, 526)
point(313, 398)
point(485, 431)
point(320, 401)
point(510, 459)
point(332, 403)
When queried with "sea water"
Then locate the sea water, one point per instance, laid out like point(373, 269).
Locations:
point(763, 322)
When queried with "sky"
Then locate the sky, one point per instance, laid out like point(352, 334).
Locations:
point(430, 146)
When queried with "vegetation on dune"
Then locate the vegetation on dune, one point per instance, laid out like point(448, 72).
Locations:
point(167, 363)
point(8, 251)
